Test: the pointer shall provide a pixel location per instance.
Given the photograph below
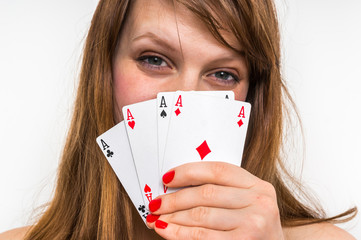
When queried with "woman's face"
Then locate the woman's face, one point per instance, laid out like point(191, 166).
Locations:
point(164, 47)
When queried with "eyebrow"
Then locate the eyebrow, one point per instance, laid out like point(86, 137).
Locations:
point(155, 39)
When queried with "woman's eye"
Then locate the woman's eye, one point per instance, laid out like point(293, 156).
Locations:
point(153, 61)
point(225, 76)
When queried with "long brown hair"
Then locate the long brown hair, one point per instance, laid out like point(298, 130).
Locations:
point(89, 201)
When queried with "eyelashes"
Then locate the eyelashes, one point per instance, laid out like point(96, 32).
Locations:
point(153, 62)
point(160, 65)
point(225, 76)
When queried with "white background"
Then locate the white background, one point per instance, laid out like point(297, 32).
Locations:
point(40, 45)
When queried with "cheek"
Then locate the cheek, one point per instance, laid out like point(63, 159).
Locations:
point(131, 87)
point(240, 92)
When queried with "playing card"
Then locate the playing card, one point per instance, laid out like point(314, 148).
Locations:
point(205, 128)
point(220, 94)
point(164, 105)
point(115, 146)
point(141, 124)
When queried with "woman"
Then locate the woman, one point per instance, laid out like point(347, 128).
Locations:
point(136, 49)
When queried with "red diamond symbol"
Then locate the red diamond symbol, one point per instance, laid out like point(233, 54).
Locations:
point(240, 122)
point(177, 112)
point(203, 150)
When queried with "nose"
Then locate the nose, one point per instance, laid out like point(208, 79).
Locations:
point(187, 81)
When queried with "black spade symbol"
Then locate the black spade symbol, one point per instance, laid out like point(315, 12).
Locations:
point(163, 114)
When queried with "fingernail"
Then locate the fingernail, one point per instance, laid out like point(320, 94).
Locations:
point(168, 177)
point(154, 205)
point(152, 218)
point(160, 224)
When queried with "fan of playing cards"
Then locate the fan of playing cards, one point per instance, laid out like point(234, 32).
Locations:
point(176, 128)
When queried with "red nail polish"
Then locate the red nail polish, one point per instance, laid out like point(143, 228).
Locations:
point(168, 177)
point(160, 224)
point(154, 205)
point(152, 218)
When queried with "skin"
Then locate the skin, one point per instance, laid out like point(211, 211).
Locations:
point(221, 201)
point(14, 234)
point(147, 32)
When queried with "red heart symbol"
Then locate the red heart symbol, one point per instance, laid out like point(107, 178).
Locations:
point(147, 188)
point(131, 124)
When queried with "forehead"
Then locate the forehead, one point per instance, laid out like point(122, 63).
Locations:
point(170, 19)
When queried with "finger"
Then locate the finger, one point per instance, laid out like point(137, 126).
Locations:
point(248, 223)
point(208, 195)
point(150, 220)
point(220, 173)
point(206, 217)
point(173, 231)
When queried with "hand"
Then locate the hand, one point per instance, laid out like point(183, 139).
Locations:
point(221, 201)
